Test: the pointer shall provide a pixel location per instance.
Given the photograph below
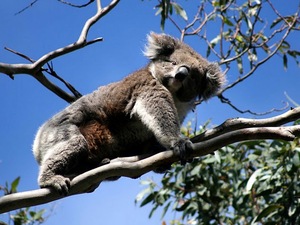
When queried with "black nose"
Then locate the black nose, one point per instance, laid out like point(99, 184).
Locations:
point(182, 73)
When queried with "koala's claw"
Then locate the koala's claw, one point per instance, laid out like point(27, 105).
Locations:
point(104, 161)
point(58, 183)
point(182, 148)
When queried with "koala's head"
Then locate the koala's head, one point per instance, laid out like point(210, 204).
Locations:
point(185, 73)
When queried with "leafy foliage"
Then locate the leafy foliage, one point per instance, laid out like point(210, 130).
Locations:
point(166, 8)
point(12, 188)
point(22, 216)
point(247, 183)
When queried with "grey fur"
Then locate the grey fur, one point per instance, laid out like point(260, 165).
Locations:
point(139, 114)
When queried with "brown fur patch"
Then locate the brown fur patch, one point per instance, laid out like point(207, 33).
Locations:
point(97, 136)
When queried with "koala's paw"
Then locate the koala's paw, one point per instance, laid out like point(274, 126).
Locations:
point(58, 183)
point(182, 148)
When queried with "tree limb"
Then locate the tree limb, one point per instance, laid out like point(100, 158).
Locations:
point(35, 67)
point(241, 123)
point(261, 62)
point(76, 6)
point(231, 131)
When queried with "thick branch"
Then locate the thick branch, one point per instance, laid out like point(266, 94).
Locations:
point(35, 67)
point(240, 123)
point(288, 133)
point(54, 88)
point(231, 131)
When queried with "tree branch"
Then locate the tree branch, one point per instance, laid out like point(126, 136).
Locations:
point(241, 123)
point(35, 67)
point(231, 131)
point(228, 102)
point(30, 5)
point(261, 62)
point(76, 6)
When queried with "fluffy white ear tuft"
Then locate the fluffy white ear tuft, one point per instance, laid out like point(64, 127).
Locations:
point(159, 45)
point(151, 49)
point(215, 80)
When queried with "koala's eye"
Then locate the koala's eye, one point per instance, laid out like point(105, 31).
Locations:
point(171, 61)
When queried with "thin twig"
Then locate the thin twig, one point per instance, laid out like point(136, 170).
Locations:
point(30, 5)
point(20, 54)
point(76, 6)
point(76, 93)
point(263, 60)
point(228, 102)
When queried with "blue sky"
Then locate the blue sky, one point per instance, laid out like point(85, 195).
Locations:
point(25, 104)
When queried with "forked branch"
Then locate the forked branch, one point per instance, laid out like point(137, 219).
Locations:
point(35, 68)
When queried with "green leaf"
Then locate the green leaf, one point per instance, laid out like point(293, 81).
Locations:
point(292, 210)
point(252, 179)
point(209, 160)
point(252, 55)
point(160, 9)
point(294, 54)
point(218, 157)
point(245, 17)
point(275, 22)
point(227, 21)
point(180, 11)
point(279, 19)
point(296, 160)
point(183, 206)
point(208, 51)
point(152, 211)
point(285, 61)
point(141, 195)
point(268, 212)
point(38, 216)
point(165, 209)
point(239, 38)
point(15, 184)
point(240, 65)
point(196, 170)
point(148, 199)
point(215, 41)
point(285, 45)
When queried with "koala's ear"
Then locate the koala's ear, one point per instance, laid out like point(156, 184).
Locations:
point(215, 79)
point(159, 45)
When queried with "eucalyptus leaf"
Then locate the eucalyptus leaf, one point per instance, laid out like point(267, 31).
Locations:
point(180, 11)
point(268, 211)
point(252, 179)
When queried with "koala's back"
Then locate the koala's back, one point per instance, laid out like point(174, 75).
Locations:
point(104, 119)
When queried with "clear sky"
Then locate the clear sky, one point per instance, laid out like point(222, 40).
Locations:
point(25, 104)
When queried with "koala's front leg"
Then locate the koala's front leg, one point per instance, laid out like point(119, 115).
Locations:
point(159, 114)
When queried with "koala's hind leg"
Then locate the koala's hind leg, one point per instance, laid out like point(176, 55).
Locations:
point(60, 161)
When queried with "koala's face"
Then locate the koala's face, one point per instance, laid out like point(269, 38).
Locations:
point(182, 70)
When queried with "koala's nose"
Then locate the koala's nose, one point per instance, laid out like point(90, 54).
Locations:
point(182, 73)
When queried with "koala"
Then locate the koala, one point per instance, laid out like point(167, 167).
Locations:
point(140, 114)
